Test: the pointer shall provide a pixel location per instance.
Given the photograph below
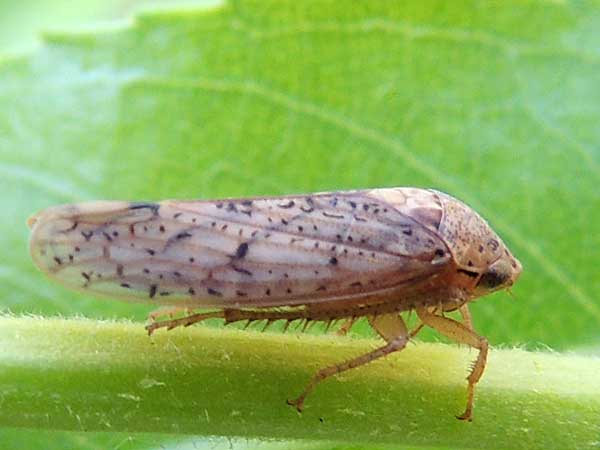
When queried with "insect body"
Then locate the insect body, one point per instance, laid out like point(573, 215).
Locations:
point(320, 257)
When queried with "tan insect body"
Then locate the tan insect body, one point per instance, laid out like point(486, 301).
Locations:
point(325, 256)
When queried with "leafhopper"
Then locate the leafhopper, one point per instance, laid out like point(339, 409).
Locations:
point(318, 257)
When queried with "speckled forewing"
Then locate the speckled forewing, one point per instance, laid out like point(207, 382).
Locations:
point(244, 252)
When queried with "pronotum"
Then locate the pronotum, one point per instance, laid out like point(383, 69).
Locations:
point(318, 257)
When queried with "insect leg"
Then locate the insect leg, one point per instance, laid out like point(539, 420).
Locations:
point(385, 326)
point(416, 330)
point(389, 326)
point(466, 316)
point(184, 321)
point(231, 315)
point(460, 333)
point(167, 311)
point(346, 326)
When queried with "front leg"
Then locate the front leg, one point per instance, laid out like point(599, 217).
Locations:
point(466, 316)
point(461, 333)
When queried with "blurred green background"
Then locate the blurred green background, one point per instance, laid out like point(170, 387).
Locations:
point(496, 103)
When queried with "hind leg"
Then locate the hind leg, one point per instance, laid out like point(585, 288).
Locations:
point(167, 311)
point(389, 326)
point(185, 321)
point(231, 315)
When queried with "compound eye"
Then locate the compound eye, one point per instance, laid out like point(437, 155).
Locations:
point(492, 279)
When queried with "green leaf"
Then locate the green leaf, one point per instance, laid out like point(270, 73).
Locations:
point(85, 375)
point(495, 103)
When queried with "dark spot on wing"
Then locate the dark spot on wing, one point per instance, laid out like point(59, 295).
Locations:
point(241, 270)
point(71, 228)
point(145, 205)
point(287, 205)
point(332, 216)
point(242, 250)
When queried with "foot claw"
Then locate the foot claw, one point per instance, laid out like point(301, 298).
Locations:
point(298, 403)
point(467, 415)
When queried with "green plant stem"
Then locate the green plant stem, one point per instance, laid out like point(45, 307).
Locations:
point(110, 376)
